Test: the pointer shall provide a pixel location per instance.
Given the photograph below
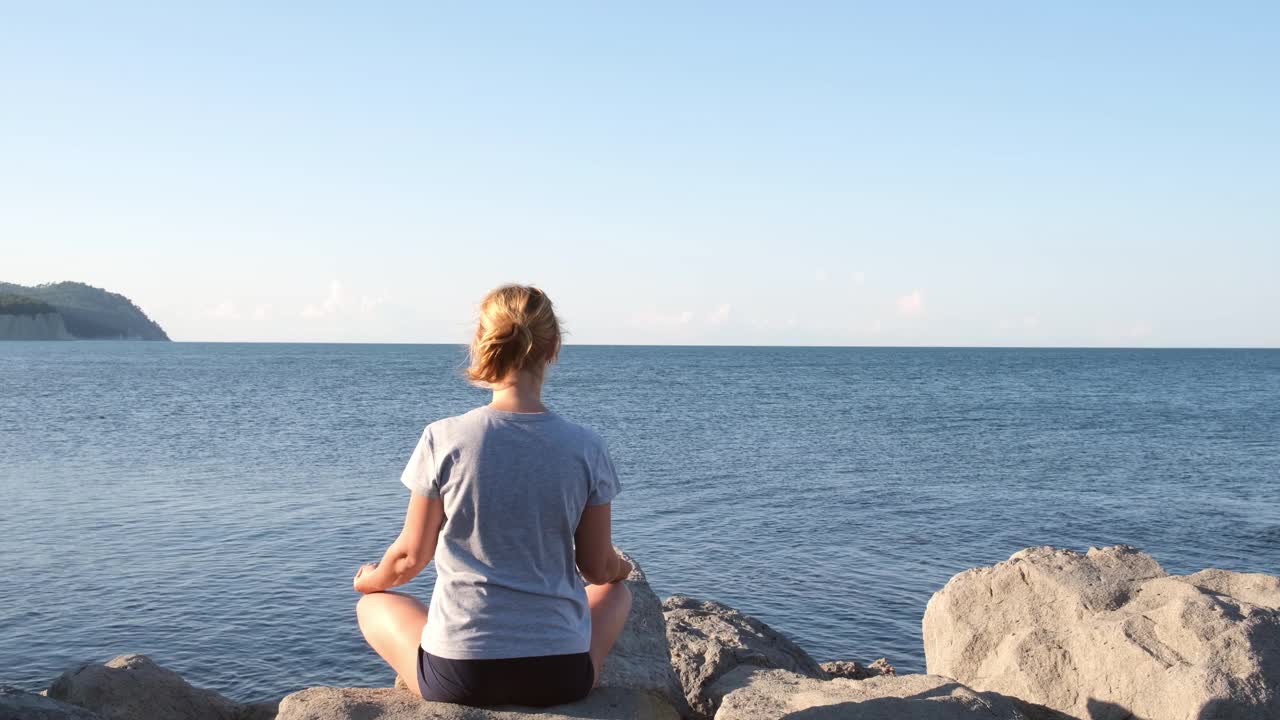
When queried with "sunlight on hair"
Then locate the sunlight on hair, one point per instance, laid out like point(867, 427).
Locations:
point(518, 330)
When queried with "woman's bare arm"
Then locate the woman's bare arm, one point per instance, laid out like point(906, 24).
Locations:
point(598, 562)
point(410, 552)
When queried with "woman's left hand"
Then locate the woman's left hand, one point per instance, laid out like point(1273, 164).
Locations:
point(363, 579)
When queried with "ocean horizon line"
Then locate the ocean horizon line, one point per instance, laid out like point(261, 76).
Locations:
point(718, 345)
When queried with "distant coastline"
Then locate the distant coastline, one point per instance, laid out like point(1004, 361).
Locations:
point(72, 311)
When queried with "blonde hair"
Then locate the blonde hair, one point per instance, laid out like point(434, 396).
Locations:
point(518, 330)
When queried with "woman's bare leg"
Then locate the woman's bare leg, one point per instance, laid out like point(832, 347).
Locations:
point(610, 605)
point(392, 624)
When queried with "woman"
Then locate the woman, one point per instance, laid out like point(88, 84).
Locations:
point(512, 501)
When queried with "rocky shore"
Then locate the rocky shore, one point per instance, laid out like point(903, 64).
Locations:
point(1049, 634)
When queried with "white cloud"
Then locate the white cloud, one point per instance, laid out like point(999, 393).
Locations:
point(338, 302)
point(331, 304)
point(653, 318)
point(911, 303)
point(369, 304)
point(859, 278)
point(820, 276)
point(225, 310)
point(720, 314)
point(262, 312)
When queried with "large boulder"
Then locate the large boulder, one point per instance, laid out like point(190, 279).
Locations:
point(18, 704)
point(708, 640)
point(774, 694)
point(1109, 634)
point(641, 659)
point(323, 703)
point(132, 687)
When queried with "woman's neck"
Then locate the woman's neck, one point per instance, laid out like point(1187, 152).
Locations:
point(523, 394)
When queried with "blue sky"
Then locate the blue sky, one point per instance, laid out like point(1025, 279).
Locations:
point(786, 173)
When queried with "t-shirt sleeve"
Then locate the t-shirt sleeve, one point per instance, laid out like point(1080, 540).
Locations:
point(421, 475)
point(604, 478)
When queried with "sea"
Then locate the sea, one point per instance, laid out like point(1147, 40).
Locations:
point(208, 504)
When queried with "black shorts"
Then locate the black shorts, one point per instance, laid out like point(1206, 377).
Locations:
point(536, 681)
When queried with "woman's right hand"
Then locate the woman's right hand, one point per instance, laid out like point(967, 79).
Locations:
point(624, 570)
point(361, 582)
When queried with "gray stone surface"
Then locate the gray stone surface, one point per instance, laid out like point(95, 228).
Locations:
point(259, 711)
point(132, 687)
point(18, 704)
point(854, 670)
point(709, 639)
point(1108, 635)
point(322, 703)
point(641, 659)
point(773, 694)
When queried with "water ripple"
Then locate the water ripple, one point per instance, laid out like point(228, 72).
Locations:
point(208, 504)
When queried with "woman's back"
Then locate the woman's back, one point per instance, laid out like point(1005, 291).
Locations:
point(513, 486)
point(512, 503)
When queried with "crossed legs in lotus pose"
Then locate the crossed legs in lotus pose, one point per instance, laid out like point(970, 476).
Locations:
point(392, 624)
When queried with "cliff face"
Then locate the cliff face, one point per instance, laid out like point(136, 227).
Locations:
point(45, 326)
point(84, 312)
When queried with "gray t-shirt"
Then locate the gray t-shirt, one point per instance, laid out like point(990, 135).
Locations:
point(513, 486)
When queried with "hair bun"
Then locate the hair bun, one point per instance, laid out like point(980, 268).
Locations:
point(518, 330)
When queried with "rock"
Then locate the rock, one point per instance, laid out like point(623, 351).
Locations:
point(18, 704)
point(709, 639)
point(848, 669)
point(1108, 635)
point(640, 659)
point(854, 670)
point(323, 703)
point(771, 694)
point(1040, 712)
point(881, 666)
point(259, 711)
point(132, 687)
point(637, 681)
